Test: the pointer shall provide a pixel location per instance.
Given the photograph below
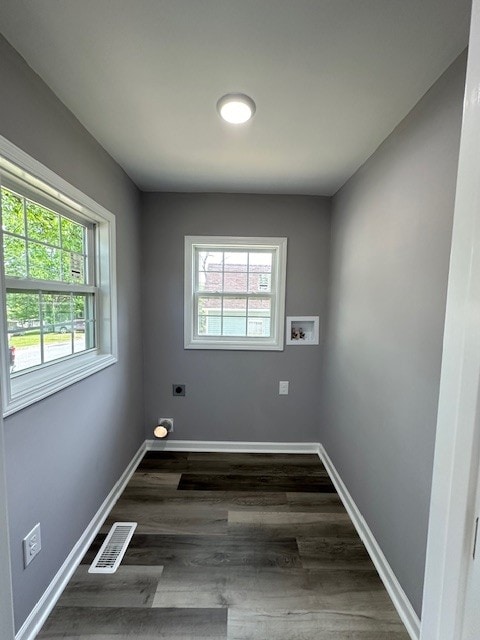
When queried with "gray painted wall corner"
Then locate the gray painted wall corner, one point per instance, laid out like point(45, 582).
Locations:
point(391, 235)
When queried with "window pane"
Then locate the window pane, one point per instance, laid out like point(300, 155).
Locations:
point(24, 351)
point(234, 326)
point(235, 282)
point(234, 306)
point(56, 325)
point(84, 332)
point(57, 312)
point(80, 310)
point(260, 262)
point(210, 326)
point(259, 307)
point(42, 224)
point(66, 267)
point(14, 255)
point(234, 316)
point(202, 325)
point(73, 267)
point(236, 261)
point(208, 308)
point(57, 345)
point(210, 260)
point(73, 235)
point(83, 322)
point(258, 282)
point(23, 310)
point(259, 327)
point(44, 262)
point(210, 281)
point(12, 213)
point(23, 316)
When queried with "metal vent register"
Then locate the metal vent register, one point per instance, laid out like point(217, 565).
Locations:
point(113, 549)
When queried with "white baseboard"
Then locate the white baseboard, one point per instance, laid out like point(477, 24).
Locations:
point(232, 447)
point(42, 609)
point(397, 594)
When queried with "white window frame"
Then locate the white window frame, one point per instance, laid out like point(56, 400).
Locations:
point(33, 385)
point(275, 342)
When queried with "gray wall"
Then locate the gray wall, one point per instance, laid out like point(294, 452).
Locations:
point(64, 454)
point(231, 395)
point(391, 235)
point(6, 604)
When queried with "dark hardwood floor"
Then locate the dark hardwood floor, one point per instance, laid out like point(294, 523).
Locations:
point(230, 547)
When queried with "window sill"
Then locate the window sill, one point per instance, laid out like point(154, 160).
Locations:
point(31, 387)
point(233, 344)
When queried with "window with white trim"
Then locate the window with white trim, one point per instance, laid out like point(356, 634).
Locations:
point(58, 316)
point(234, 292)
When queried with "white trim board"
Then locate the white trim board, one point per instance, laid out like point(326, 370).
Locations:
point(231, 447)
point(44, 606)
point(397, 594)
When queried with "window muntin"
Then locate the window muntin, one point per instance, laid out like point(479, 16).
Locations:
point(58, 248)
point(234, 292)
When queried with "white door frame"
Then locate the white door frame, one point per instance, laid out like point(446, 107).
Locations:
point(6, 599)
point(457, 441)
point(471, 614)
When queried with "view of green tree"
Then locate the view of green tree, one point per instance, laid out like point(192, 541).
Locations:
point(14, 257)
point(43, 224)
point(13, 220)
point(22, 308)
point(56, 252)
point(44, 262)
point(73, 236)
point(58, 310)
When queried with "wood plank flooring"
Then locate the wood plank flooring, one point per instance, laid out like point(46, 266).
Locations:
point(230, 547)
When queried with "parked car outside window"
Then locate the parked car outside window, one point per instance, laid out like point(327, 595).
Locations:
point(66, 327)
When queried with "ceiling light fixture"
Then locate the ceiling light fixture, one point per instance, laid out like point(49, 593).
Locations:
point(236, 108)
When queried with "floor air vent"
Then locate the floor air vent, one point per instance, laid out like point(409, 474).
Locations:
point(113, 549)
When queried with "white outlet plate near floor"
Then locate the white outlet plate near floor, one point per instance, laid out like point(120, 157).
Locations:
point(32, 544)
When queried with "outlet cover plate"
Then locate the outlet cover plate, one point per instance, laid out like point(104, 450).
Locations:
point(32, 544)
point(283, 387)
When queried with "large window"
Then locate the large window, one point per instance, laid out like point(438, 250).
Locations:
point(234, 292)
point(57, 274)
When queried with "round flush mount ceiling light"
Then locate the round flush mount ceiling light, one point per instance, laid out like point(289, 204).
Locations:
point(236, 108)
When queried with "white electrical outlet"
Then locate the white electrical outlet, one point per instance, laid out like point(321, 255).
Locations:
point(32, 544)
point(283, 387)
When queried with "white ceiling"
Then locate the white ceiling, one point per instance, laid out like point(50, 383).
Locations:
point(331, 79)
